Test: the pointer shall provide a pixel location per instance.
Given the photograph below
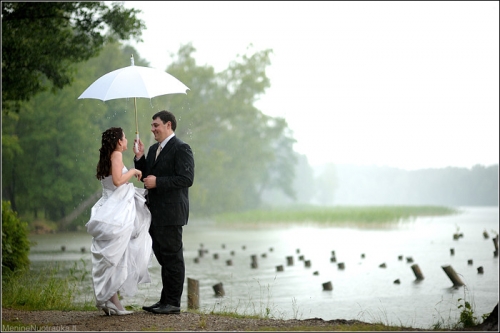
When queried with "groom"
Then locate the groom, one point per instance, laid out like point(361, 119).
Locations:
point(168, 172)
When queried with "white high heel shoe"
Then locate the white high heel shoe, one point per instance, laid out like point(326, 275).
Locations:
point(111, 307)
point(104, 308)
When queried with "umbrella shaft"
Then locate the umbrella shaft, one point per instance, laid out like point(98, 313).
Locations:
point(136, 125)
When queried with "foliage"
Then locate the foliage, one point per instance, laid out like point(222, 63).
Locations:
point(15, 243)
point(467, 317)
point(42, 41)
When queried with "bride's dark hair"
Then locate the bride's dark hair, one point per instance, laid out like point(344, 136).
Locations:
point(109, 140)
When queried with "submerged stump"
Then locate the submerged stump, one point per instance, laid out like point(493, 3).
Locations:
point(457, 282)
point(417, 272)
point(327, 286)
point(219, 289)
point(193, 295)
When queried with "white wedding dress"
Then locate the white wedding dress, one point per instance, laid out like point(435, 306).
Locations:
point(121, 244)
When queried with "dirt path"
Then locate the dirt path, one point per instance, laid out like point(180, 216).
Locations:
point(16, 320)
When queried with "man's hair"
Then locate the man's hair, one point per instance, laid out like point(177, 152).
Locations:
point(166, 116)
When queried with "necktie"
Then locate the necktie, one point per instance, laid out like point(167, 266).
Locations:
point(158, 151)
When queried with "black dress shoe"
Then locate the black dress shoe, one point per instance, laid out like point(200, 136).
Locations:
point(149, 308)
point(166, 309)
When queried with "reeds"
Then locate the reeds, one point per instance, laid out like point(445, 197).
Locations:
point(334, 215)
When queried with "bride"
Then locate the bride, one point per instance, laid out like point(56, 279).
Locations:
point(119, 225)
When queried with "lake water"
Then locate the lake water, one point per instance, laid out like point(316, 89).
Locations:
point(362, 290)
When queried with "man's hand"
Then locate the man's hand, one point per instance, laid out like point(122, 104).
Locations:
point(150, 182)
point(140, 151)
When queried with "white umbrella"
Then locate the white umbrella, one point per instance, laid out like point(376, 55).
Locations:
point(134, 81)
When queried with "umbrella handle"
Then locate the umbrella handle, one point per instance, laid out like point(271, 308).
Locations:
point(136, 144)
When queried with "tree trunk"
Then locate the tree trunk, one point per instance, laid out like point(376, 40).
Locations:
point(78, 210)
point(490, 323)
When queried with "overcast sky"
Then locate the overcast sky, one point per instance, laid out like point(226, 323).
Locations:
point(402, 84)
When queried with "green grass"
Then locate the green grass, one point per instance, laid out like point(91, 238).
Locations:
point(44, 290)
point(368, 215)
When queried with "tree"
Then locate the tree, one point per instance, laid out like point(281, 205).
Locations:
point(43, 41)
point(327, 183)
point(49, 166)
point(302, 186)
point(238, 150)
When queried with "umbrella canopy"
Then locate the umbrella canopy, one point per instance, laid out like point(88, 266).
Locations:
point(132, 82)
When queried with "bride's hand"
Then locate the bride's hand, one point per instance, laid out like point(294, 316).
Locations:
point(138, 174)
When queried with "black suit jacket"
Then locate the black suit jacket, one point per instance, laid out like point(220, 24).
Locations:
point(174, 171)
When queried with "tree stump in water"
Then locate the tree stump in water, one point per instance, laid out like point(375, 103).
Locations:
point(417, 272)
point(327, 286)
point(457, 282)
point(495, 242)
point(218, 289)
point(193, 294)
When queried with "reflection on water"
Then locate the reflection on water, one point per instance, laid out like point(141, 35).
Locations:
point(362, 290)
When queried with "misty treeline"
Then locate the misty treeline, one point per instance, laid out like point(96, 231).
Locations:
point(50, 148)
point(332, 184)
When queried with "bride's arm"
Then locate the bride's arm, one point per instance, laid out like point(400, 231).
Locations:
point(120, 178)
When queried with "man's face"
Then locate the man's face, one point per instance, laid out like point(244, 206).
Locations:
point(159, 129)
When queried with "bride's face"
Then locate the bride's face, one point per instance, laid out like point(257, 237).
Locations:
point(123, 143)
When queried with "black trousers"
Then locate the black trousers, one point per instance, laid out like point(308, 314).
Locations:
point(167, 247)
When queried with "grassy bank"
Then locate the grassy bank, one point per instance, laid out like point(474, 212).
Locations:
point(50, 290)
point(360, 215)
